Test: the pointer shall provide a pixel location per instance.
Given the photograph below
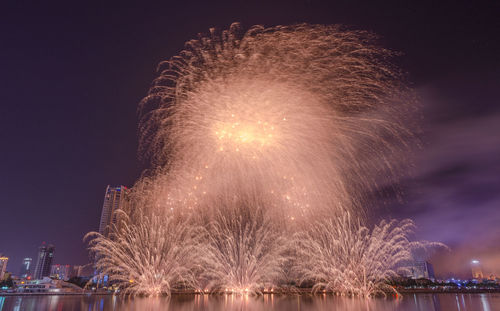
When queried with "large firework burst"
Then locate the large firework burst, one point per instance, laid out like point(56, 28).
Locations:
point(305, 119)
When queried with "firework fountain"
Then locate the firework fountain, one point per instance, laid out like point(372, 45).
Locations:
point(245, 253)
point(149, 254)
point(256, 137)
point(345, 257)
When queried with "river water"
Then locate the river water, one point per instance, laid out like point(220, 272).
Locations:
point(410, 302)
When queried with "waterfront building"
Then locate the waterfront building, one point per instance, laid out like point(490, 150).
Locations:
point(477, 271)
point(3, 266)
point(422, 270)
point(82, 271)
point(44, 261)
point(45, 285)
point(26, 268)
point(76, 271)
point(114, 199)
point(61, 272)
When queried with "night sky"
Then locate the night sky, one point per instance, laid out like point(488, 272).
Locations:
point(72, 74)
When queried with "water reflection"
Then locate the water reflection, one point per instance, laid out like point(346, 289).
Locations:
point(485, 303)
point(411, 302)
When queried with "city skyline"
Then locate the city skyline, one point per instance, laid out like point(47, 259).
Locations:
point(75, 131)
point(114, 199)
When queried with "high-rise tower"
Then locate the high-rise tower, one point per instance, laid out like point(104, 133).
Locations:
point(3, 265)
point(44, 260)
point(114, 199)
point(422, 270)
point(477, 272)
point(26, 268)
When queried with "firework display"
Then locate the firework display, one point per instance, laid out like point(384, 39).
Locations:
point(265, 146)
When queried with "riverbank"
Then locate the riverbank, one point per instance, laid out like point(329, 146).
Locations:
point(52, 294)
point(299, 291)
point(447, 291)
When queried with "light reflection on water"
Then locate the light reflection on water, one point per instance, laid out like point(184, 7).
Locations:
point(410, 302)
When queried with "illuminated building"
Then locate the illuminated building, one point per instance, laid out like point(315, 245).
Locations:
point(422, 270)
point(61, 272)
point(477, 272)
point(45, 285)
point(113, 199)
point(3, 266)
point(76, 271)
point(44, 261)
point(26, 267)
point(82, 271)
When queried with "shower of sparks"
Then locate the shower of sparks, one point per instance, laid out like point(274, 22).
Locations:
point(245, 253)
point(149, 255)
point(343, 256)
point(255, 137)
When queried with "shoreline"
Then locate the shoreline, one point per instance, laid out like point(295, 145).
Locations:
point(403, 292)
point(54, 294)
point(451, 291)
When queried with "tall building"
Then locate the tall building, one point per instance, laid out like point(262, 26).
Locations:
point(477, 272)
point(3, 266)
point(61, 272)
point(114, 199)
point(26, 267)
point(76, 271)
point(422, 270)
point(44, 261)
point(82, 271)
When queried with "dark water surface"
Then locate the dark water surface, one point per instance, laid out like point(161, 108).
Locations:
point(410, 302)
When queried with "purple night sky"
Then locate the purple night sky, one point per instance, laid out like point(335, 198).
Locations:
point(72, 75)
